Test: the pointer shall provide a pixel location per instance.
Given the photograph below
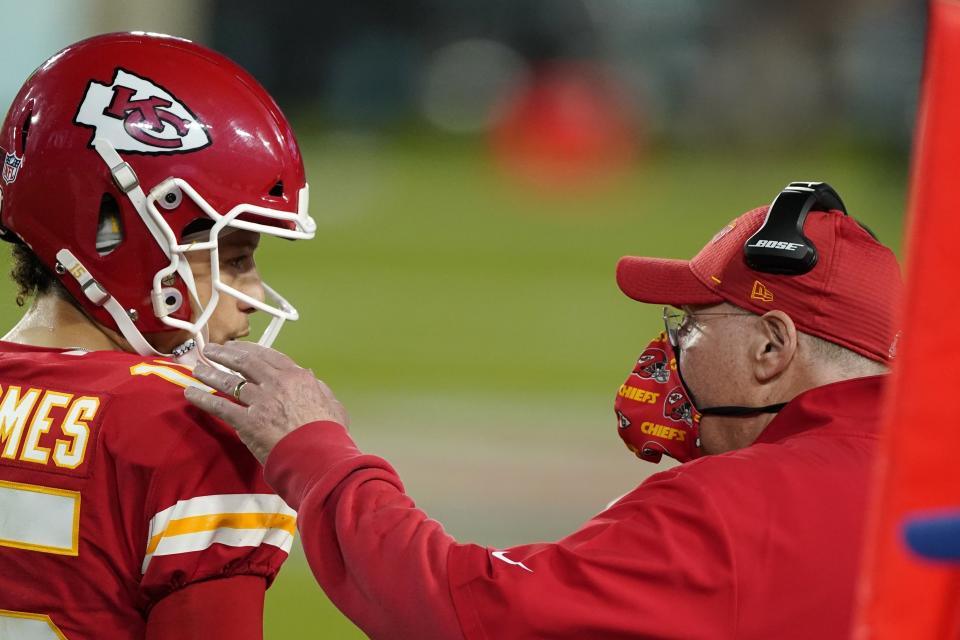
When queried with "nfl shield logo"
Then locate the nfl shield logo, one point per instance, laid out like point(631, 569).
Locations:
point(11, 165)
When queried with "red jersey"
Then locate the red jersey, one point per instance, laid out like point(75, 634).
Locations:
point(114, 491)
point(762, 542)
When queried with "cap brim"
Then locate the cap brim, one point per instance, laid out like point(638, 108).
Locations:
point(663, 281)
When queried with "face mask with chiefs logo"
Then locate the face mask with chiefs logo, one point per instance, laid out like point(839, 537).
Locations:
point(654, 413)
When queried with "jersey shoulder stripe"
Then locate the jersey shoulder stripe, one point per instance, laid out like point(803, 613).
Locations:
point(236, 520)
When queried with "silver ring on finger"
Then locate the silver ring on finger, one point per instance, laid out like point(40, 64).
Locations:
point(238, 388)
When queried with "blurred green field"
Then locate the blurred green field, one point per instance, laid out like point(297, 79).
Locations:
point(429, 271)
point(475, 330)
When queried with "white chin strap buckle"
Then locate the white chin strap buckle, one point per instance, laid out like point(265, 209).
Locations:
point(99, 296)
point(91, 288)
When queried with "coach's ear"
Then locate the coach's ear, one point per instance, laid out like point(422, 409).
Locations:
point(773, 346)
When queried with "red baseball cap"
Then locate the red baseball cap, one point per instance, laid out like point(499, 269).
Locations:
point(849, 298)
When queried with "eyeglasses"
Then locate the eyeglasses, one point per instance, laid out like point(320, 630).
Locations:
point(678, 322)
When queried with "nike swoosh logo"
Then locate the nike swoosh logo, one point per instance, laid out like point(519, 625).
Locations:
point(502, 556)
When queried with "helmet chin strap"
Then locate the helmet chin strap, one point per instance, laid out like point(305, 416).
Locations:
point(126, 180)
point(98, 295)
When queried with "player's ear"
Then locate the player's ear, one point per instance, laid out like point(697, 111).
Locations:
point(774, 345)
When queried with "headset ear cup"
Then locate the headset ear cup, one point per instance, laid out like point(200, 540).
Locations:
point(780, 246)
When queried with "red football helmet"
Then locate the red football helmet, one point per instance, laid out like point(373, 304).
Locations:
point(177, 139)
point(652, 364)
point(677, 407)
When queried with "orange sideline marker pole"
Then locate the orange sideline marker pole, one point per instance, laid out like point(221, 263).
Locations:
point(902, 596)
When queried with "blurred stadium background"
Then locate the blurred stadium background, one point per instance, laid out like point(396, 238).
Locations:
point(478, 166)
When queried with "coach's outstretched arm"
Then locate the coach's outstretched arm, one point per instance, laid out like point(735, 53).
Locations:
point(397, 574)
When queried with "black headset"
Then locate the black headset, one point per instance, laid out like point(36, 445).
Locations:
point(780, 246)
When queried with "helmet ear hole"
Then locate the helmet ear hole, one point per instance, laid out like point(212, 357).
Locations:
point(110, 225)
point(25, 130)
point(276, 190)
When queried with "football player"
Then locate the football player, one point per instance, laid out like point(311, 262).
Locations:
point(139, 172)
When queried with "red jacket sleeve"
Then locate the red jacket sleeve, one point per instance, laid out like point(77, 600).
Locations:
point(658, 563)
point(381, 560)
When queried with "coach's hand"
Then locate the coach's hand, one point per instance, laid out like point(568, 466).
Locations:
point(274, 396)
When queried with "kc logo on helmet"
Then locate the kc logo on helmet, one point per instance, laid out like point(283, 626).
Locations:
point(136, 115)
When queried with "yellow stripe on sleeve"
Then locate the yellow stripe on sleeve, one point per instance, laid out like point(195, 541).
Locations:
point(214, 521)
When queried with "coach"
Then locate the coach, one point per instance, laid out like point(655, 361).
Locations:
point(783, 326)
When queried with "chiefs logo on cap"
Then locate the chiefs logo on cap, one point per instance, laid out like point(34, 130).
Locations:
point(137, 115)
